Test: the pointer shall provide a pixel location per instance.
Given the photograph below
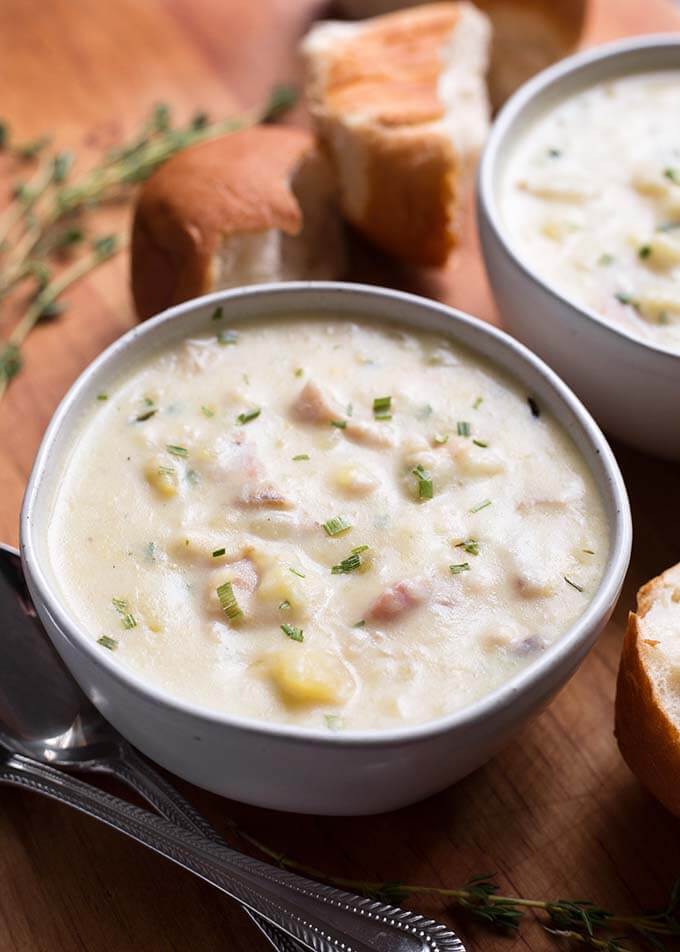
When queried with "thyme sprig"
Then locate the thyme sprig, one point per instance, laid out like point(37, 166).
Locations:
point(47, 215)
point(577, 921)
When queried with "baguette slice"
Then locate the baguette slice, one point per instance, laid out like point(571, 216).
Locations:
point(255, 205)
point(400, 103)
point(648, 689)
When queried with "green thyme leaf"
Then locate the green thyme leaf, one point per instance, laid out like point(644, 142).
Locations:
point(249, 415)
point(293, 632)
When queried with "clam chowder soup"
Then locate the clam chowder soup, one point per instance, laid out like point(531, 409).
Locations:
point(591, 200)
point(326, 523)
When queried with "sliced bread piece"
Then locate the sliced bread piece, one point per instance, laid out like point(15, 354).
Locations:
point(256, 205)
point(648, 689)
point(400, 103)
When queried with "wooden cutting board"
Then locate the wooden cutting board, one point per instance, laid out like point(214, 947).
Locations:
point(557, 814)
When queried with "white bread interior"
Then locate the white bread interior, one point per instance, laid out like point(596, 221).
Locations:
point(368, 148)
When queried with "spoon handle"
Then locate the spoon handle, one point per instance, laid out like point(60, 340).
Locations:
point(322, 918)
point(131, 768)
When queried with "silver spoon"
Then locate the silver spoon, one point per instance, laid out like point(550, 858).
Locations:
point(54, 724)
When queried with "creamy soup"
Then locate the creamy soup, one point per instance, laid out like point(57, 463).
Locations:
point(324, 523)
point(591, 200)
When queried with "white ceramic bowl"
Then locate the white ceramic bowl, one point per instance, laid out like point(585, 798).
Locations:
point(282, 766)
point(631, 387)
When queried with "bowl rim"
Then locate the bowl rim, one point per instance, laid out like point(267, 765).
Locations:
point(502, 128)
point(610, 486)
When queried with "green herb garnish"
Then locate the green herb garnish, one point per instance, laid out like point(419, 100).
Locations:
point(284, 605)
point(478, 402)
point(440, 438)
point(341, 424)
point(484, 445)
point(248, 416)
point(127, 620)
point(336, 526)
point(217, 314)
point(605, 260)
point(463, 428)
point(293, 632)
point(107, 642)
point(627, 299)
point(298, 372)
point(644, 251)
point(573, 584)
point(334, 722)
point(482, 505)
point(554, 153)
point(534, 407)
point(207, 411)
point(359, 624)
point(300, 456)
point(470, 545)
point(180, 451)
point(146, 415)
point(230, 606)
point(193, 478)
point(588, 551)
point(102, 396)
point(353, 561)
point(382, 408)
point(424, 482)
point(460, 567)
point(673, 175)
point(218, 552)
point(296, 572)
point(225, 338)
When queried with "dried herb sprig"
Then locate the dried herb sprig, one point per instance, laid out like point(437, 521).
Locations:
point(578, 921)
point(43, 220)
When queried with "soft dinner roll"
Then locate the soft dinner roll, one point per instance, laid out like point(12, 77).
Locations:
point(528, 35)
point(400, 103)
point(648, 691)
point(255, 205)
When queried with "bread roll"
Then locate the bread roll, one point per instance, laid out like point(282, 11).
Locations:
point(256, 205)
point(648, 689)
point(528, 35)
point(400, 103)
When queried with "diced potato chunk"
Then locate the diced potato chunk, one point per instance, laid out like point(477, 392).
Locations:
point(354, 480)
point(279, 585)
point(648, 179)
point(566, 187)
point(658, 305)
point(308, 676)
point(161, 477)
point(477, 460)
point(664, 250)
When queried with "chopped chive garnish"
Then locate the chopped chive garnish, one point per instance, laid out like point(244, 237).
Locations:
point(440, 438)
point(588, 551)
point(350, 409)
point(478, 402)
point(573, 584)
point(460, 567)
point(605, 260)
point(554, 153)
point(336, 525)
point(166, 471)
point(300, 456)
point(295, 633)
point(334, 722)
point(127, 620)
point(248, 416)
point(353, 561)
point(146, 415)
point(174, 450)
point(644, 251)
point(228, 602)
point(628, 299)
point(382, 408)
point(107, 642)
point(463, 428)
point(470, 545)
point(424, 482)
point(484, 445)
point(227, 337)
point(341, 424)
point(673, 175)
point(218, 552)
point(534, 407)
point(217, 314)
point(482, 505)
point(102, 396)
point(298, 372)
point(296, 572)
point(284, 605)
point(193, 478)
point(207, 411)
point(360, 623)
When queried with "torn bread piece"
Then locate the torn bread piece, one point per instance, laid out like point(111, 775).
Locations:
point(648, 689)
point(255, 205)
point(400, 103)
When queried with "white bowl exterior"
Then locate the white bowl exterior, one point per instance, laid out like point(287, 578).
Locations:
point(278, 766)
point(631, 388)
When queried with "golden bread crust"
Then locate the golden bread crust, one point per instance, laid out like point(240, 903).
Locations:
point(235, 184)
point(647, 737)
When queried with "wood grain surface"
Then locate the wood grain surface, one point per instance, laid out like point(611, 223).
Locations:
point(557, 814)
